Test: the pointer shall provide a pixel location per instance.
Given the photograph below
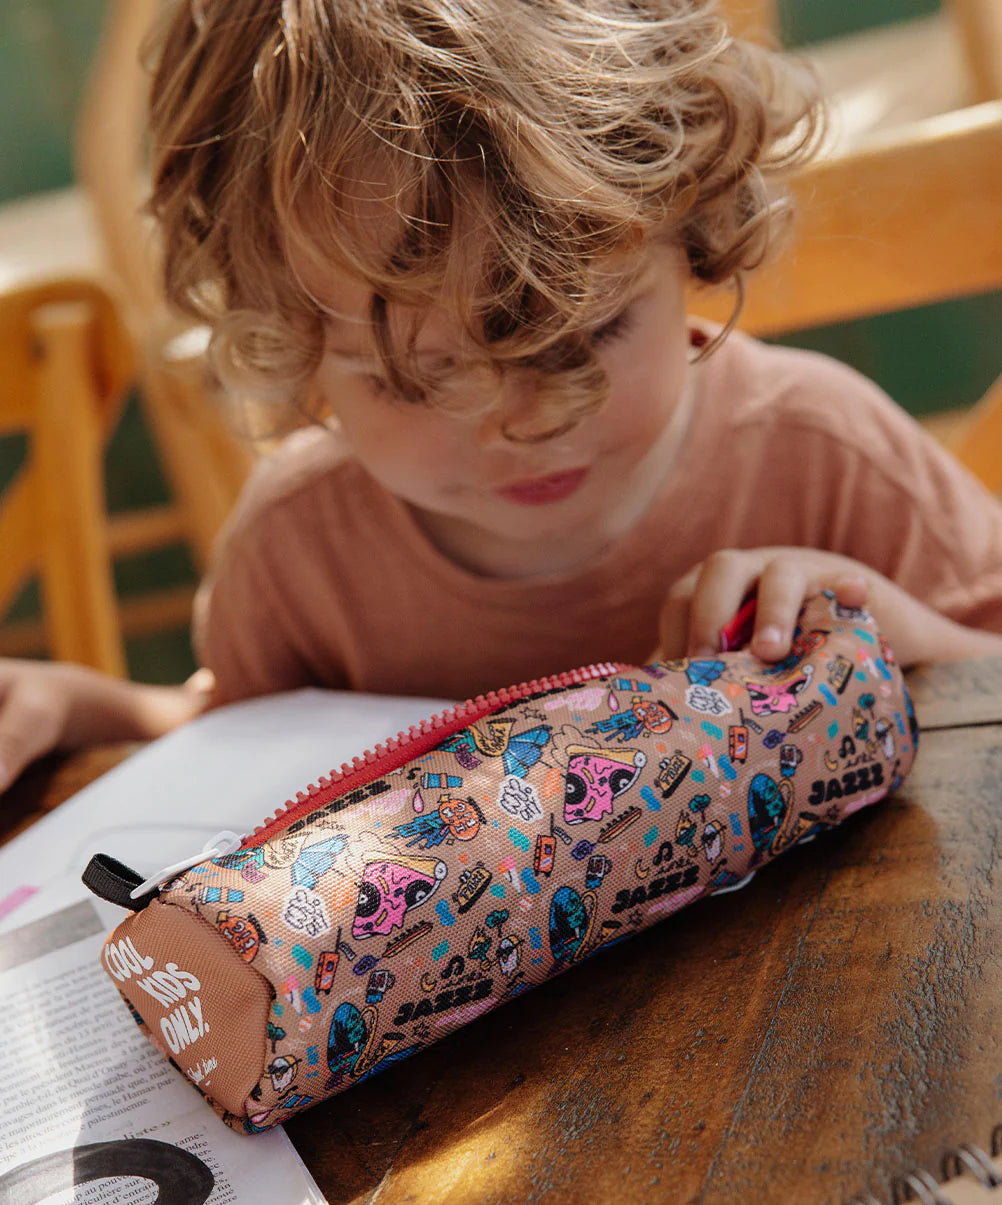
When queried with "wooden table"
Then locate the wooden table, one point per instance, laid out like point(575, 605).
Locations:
point(810, 1037)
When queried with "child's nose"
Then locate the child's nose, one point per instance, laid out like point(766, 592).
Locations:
point(513, 404)
point(517, 417)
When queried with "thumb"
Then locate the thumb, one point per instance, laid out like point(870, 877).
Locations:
point(29, 728)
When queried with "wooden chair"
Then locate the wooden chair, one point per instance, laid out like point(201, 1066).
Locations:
point(976, 440)
point(95, 234)
point(66, 362)
point(911, 69)
point(906, 215)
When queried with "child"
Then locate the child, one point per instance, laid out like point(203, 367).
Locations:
point(456, 240)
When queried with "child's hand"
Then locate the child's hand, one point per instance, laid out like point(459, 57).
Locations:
point(36, 700)
point(708, 596)
point(48, 705)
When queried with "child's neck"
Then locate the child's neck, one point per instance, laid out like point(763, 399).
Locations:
point(490, 554)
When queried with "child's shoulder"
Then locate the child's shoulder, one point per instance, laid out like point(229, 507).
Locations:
point(300, 477)
point(789, 394)
point(295, 463)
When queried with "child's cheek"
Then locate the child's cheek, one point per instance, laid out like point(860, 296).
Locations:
point(648, 373)
point(644, 398)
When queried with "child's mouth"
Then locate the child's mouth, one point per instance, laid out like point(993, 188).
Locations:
point(540, 490)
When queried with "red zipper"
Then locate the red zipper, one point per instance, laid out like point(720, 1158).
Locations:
point(418, 739)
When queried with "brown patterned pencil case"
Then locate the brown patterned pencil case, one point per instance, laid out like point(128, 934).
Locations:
point(493, 846)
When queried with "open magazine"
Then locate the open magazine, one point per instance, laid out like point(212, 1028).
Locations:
point(95, 1114)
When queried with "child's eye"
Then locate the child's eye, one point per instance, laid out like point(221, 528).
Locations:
point(613, 329)
point(381, 388)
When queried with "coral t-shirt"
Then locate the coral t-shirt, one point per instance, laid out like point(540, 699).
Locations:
point(321, 577)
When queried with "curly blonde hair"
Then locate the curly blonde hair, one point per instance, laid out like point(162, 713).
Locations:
point(520, 145)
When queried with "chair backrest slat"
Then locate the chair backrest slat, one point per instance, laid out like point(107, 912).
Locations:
point(65, 363)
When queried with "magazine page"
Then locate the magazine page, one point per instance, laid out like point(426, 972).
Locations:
point(95, 1115)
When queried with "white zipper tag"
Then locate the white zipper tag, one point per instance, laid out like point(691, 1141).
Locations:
point(222, 843)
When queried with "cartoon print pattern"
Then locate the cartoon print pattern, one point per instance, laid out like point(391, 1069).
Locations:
point(540, 835)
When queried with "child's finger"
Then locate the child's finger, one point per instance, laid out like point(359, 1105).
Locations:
point(852, 591)
point(781, 592)
point(723, 583)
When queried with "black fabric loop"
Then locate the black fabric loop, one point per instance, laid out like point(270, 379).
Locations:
point(113, 881)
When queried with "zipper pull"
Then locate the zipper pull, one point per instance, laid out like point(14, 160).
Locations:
point(222, 843)
point(119, 884)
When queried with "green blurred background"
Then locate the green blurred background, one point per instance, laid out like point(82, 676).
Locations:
point(930, 359)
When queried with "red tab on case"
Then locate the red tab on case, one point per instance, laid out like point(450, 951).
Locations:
point(738, 632)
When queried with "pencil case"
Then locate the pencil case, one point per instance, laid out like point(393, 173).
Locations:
point(491, 847)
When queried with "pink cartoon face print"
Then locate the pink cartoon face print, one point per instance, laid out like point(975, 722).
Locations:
point(771, 698)
point(390, 888)
point(595, 778)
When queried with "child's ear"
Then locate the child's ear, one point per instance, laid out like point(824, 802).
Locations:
point(315, 408)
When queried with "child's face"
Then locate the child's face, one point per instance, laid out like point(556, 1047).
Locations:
point(472, 488)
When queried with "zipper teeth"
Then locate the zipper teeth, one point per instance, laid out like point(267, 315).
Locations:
point(416, 739)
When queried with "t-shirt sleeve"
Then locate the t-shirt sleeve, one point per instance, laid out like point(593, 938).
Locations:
point(237, 632)
point(898, 501)
point(250, 626)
